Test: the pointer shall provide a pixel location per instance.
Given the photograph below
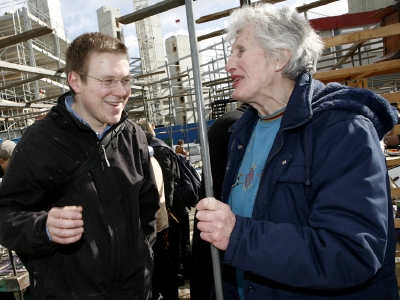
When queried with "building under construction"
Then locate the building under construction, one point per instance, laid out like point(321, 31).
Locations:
point(34, 41)
point(362, 49)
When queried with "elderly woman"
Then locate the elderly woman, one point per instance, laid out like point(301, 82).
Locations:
point(306, 208)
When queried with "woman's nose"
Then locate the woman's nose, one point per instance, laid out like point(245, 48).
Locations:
point(229, 66)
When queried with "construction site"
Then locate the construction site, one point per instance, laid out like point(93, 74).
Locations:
point(33, 43)
point(362, 49)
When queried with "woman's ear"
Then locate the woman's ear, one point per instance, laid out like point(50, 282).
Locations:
point(74, 81)
point(283, 58)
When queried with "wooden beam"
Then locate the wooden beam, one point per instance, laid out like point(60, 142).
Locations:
point(362, 35)
point(24, 36)
point(151, 10)
point(32, 113)
point(20, 82)
point(24, 105)
point(350, 52)
point(392, 97)
point(226, 13)
point(312, 5)
point(33, 70)
point(352, 73)
point(211, 35)
point(44, 99)
point(149, 74)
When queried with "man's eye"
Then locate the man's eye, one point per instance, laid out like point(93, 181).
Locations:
point(126, 81)
point(108, 81)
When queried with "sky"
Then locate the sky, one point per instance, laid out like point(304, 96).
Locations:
point(80, 16)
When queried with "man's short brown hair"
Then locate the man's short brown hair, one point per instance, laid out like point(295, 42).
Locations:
point(84, 46)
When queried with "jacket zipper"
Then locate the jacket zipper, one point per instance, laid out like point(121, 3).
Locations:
point(105, 156)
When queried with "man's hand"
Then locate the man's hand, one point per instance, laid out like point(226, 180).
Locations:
point(65, 225)
point(216, 222)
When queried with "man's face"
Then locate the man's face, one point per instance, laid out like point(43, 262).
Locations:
point(101, 106)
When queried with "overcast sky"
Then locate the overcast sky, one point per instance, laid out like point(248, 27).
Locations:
point(80, 16)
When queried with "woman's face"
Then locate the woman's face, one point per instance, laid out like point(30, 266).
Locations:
point(251, 74)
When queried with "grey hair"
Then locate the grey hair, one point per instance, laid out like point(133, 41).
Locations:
point(6, 149)
point(277, 29)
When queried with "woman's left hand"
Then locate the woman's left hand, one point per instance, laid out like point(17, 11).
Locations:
point(216, 222)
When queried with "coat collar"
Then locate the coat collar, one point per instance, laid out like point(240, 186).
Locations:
point(298, 110)
point(65, 118)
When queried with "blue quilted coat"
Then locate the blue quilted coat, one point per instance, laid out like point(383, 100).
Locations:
point(322, 224)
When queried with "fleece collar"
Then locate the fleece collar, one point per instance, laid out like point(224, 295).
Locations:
point(311, 97)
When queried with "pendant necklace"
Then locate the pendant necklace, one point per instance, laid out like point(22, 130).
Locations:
point(243, 164)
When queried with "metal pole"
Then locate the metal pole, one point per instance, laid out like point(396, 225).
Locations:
point(170, 104)
point(205, 156)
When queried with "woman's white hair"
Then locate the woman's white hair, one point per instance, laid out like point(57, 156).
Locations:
point(277, 29)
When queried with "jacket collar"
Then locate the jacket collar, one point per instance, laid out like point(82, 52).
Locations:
point(311, 97)
point(298, 110)
point(65, 118)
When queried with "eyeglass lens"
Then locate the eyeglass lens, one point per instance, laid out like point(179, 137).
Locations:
point(112, 82)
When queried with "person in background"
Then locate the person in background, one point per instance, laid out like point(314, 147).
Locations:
point(306, 210)
point(179, 229)
point(179, 149)
point(6, 150)
point(94, 241)
point(201, 271)
point(164, 277)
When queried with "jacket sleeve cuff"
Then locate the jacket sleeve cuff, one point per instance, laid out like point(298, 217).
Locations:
point(234, 240)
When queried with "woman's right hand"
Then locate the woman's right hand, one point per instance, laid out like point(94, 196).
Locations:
point(216, 222)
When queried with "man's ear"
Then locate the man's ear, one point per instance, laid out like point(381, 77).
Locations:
point(75, 81)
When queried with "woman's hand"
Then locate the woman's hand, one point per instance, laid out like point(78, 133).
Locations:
point(216, 222)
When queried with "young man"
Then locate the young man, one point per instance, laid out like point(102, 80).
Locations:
point(94, 241)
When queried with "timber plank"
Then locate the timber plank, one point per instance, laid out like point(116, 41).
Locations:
point(24, 36)
point(360, 72)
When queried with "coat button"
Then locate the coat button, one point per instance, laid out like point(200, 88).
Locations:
point(239, 146)
point(283, 162)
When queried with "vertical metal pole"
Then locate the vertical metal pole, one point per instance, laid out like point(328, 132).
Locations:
point(205, 156)
point(171, 107)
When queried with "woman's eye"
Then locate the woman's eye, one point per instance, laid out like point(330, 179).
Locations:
point(241, 51)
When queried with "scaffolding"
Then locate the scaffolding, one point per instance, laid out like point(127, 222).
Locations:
point(149, 60)
point(162, 99)
point(32, 50)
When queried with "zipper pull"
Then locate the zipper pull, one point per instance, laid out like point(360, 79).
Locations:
point(105, 156)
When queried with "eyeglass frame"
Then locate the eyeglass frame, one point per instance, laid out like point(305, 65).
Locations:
point(115, 80)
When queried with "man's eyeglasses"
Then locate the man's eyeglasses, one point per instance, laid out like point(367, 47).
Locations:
point(112, 82)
